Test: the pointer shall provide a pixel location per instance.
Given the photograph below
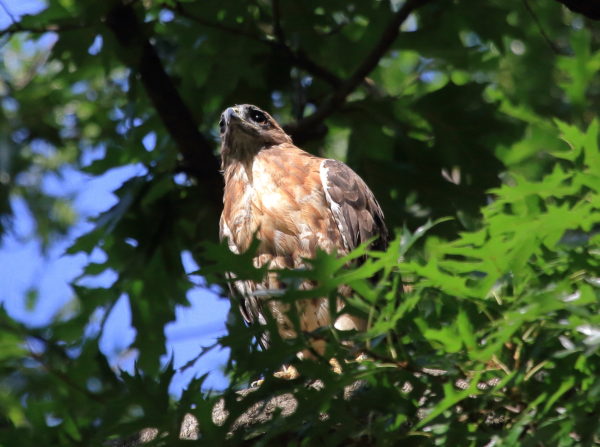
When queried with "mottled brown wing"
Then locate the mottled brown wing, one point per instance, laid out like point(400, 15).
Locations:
point(354, 207)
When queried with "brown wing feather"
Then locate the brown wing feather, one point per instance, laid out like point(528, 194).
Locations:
point(354, 207)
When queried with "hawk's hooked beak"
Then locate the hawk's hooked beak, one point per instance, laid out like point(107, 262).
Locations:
point(232, 112)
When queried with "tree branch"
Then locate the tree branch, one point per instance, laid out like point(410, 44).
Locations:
point(540, 28)
point(277, 29)
point(50, 346)
point(8, 13)
point(302, 130)
point(57, 27)
point(141, 56)
point(65, 378)
point(179, 9)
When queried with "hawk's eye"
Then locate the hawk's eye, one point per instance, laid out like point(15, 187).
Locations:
point(258, 117)
point(222, 125)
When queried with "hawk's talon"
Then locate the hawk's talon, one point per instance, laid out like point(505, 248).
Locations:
point(287, 373)
point(335, 365)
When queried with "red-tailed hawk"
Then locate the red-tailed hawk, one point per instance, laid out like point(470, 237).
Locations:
point(294, 203)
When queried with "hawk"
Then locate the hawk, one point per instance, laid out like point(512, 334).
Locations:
point(294, 203)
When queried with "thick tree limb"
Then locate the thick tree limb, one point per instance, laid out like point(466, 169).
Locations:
point(589, 8)
point(301, 130)
point(259, 413)
point(140, 55)
point(284, 405)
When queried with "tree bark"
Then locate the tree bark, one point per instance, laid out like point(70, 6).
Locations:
point(139, 55)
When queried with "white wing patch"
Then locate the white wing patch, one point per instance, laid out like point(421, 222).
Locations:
point(335, 207)
point(226, 234)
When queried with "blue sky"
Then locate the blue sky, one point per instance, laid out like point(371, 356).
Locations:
point(24, 268)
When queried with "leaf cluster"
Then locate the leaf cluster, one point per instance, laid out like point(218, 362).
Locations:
point(477, 131)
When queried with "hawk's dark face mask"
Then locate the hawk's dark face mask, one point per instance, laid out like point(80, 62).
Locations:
point(246, 129)
point(245, 118)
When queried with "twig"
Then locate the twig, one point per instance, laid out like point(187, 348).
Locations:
point(400, 364)
point(50, 346)
point(300, 129)
point(16, 27)
point(540, 28)
point(179, 9)
point(301, 60)
point(298, 57)
point(193, 361)
point(334, 30)
point(277, 29)
point(108, 311)
point(65, 378)
point(8, 13)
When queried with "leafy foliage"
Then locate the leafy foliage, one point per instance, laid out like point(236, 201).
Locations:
point(476, 129)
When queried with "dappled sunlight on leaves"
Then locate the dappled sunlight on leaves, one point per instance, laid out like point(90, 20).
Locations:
point(475, 124)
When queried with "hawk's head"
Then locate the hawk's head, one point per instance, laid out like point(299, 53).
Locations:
point(246, 129)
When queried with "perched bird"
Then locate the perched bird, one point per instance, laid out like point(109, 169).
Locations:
point(294, 203)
